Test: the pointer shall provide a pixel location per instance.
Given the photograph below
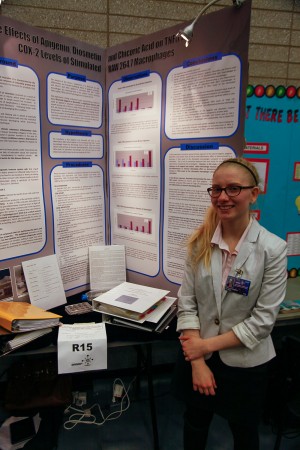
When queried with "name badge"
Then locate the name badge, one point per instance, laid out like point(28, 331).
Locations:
point(238, 285)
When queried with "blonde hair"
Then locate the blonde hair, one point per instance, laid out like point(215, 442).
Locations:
point(247, 165)
point(199, 243)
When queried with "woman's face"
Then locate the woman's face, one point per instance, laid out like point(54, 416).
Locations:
point(233, 208)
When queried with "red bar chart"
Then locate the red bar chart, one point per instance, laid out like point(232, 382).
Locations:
point(133, 223)
point(135, 158)
point(136, 102)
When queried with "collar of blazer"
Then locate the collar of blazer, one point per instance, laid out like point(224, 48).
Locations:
point(216, 261)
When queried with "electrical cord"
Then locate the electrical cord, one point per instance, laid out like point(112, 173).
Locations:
point(86, 417)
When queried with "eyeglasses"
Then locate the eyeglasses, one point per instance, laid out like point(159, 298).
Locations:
point(231, 191)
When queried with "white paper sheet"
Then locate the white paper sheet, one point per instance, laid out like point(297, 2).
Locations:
point(44, 282)
point(82, 347)
point(107, 266)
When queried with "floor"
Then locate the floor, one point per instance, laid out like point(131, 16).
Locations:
point(133, 431)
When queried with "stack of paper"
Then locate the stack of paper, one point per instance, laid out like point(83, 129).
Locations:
point(21, 339)
point(136, 306)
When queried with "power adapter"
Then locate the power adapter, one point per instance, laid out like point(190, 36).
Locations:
point(79, 398)
point(117, 393)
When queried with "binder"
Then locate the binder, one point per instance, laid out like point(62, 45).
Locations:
point(129, 300)
point(157, 321)
point(145, 326)
point(121, 312)
point(17, 340)
point(22, 316)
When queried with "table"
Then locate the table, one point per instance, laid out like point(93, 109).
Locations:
point(118, 337)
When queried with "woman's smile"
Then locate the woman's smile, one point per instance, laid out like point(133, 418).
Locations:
point(225, 207)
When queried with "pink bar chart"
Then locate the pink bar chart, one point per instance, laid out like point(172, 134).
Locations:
point(136, 158)
point(137, 102)
point(133, 223)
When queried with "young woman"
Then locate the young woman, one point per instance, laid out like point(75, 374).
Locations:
point(234, 281)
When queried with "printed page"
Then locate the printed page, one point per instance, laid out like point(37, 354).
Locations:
point(74, 100)
point(203, 97)
point(23, 229)
point(188, 174)
point(134, 167)
point(44, 282)
point(107, 266)
point(79, 217)
point(69, 143)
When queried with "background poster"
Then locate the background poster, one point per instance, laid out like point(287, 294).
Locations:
point(173, 114)
point(273, 136)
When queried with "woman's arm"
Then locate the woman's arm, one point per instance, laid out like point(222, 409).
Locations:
point(195, 347)
point(261, 321)
point(187, 315)
point(202, 377)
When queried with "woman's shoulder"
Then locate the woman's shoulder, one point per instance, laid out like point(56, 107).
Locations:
point(269, 239)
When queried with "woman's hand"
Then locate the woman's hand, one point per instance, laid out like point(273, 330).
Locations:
point(193, 347)
point(203, 378)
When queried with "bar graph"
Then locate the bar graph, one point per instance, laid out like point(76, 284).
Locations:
point(137, 102)
point(133, 223)
point(135, 158)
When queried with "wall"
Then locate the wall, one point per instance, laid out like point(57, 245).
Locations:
point(274, 55)
point(274, 38)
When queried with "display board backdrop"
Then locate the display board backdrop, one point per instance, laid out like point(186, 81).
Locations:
point(173, 114)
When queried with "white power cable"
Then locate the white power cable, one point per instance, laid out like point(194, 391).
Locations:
point(85, 416)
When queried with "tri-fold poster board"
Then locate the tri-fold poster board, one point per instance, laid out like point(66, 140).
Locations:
point(69, 180)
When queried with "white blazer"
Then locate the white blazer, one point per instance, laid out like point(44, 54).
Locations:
point(202, 304)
